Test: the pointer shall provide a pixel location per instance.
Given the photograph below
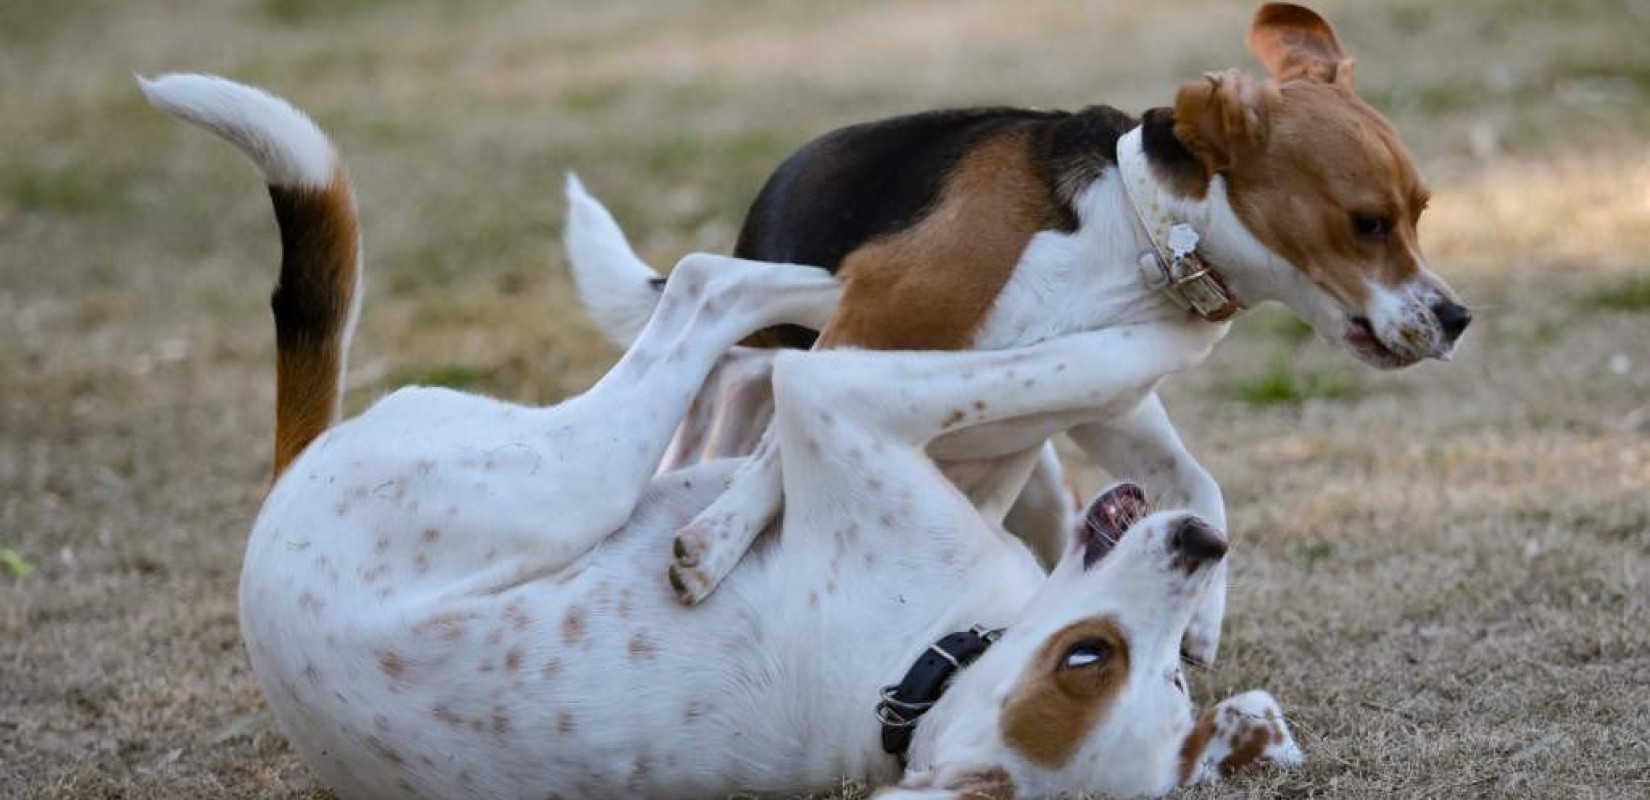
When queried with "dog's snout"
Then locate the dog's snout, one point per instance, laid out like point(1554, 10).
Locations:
point(1195, 542)
point(1453, 318)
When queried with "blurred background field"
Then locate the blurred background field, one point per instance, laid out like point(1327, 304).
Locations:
point(1444, 573)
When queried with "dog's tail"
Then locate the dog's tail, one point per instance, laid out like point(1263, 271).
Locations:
point(617, 288)
point(318, 296)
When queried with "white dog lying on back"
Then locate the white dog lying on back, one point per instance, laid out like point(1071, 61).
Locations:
point(455, 597)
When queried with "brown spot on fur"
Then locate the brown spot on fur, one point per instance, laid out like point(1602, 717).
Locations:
point(512, 661)
point(641, 647)
point(431, 535)
point(1052, 708)
point(572, 626)
point(445, 716)
point(1196, 741)
point(320, 263)
point(449, 626)
point(551, 669)
point(930, 286)
point(565, 722)
point(391, 664)
point(501, 721)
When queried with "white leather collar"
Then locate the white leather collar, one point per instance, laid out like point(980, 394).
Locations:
point(1172, 265)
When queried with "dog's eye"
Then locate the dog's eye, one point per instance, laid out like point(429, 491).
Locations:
point(1371, 226)
point(1087, 653)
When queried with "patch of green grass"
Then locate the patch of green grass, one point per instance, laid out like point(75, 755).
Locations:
point(1280, 324)
point(67, 190)
point(1282, 385)
point(299, 12)
point(14, 563)
point(1314, 552)
point(452, 376)
point(1632, 294)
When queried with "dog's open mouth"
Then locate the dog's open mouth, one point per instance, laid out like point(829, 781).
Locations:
point(1360, 336)
point(1108, 518)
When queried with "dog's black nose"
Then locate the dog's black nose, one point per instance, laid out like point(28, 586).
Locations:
point(1453, 318)
point(1194, 542)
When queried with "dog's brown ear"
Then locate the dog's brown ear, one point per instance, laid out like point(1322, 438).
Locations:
point(1296, 44)
point(1220, 117)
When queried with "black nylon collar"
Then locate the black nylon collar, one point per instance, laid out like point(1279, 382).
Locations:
point(905, 702)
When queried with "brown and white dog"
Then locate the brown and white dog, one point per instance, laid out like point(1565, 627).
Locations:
point(995, 227)
point(453, 597)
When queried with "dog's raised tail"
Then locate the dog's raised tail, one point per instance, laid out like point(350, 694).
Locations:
point(318, 295)
point(617, 288)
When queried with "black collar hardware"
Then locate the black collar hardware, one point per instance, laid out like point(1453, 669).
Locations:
point(905, 702)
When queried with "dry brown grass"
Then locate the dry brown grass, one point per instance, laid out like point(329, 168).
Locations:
point(1444, 574)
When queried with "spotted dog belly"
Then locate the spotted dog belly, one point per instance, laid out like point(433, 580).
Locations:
point(409, 647)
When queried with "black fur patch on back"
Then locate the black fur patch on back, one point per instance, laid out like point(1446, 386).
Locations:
point(855, 184)
point(1174, 164)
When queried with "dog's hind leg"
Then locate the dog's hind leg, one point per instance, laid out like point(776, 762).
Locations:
point(618, 431)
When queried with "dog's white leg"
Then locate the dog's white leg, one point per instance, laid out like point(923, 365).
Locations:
point(710, 546)
point(1045, 512)
point(933, 394)
point(622, 425)
point(1143, 446)
point(746, 404)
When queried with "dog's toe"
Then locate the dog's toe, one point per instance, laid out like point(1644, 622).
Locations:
point(691, 585)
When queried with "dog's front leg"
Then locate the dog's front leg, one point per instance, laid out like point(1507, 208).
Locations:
point(1143, 446)
point(710, 546)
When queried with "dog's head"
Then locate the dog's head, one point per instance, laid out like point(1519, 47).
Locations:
point(1084, 692)
point(1314, 198)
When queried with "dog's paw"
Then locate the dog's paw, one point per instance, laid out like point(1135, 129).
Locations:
point(690, 546)
point(691, 584)
point(1242, 731)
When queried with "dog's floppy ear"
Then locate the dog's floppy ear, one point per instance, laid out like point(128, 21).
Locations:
point(1296, 44)
point(1220, 117)
point(952, 783)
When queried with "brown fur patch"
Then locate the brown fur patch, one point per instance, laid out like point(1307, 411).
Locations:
point(1251, 746)
point(1052, 708)
point(1300, 154)
point(930, 286)
point(320, 241)
point(1196, 741)
point(572, 626)
point(1329, 154)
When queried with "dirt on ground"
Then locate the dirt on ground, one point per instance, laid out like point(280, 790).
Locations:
point(1443, 573)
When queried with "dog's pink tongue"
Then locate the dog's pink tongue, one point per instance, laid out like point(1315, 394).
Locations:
point(1108, 518)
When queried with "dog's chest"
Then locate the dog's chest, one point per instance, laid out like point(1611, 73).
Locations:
point(1078, 281)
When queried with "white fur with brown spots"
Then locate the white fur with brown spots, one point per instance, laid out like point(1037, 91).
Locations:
point(450, 596)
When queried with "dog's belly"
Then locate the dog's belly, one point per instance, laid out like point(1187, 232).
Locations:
point(398, 665)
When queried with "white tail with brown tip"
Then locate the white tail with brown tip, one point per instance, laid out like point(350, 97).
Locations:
point(318, 295)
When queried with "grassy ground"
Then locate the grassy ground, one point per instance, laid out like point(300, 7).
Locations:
point(1444, 574)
